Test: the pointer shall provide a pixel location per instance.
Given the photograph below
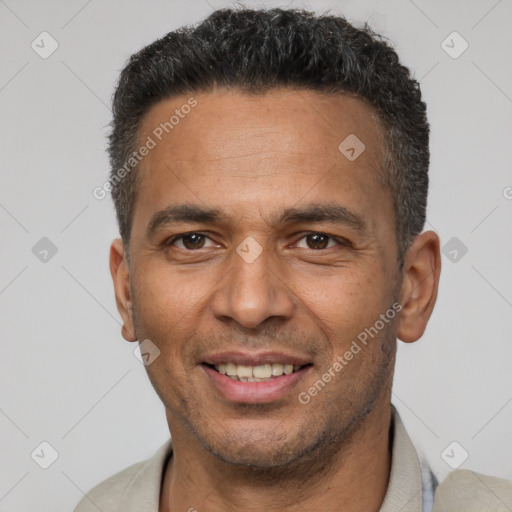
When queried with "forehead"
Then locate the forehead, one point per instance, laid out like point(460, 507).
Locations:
point(293, 122)
point(235, 150)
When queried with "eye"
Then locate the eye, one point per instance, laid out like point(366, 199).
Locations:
point(190, 241)
point(315, 241)
point(319, 241)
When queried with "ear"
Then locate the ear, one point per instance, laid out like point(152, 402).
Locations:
point(121, 278)
point(422, 268)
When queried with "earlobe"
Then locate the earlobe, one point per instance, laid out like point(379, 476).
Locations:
point(420, 284)
point(121, 279)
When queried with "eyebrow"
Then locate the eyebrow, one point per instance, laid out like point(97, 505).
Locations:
point(313, 213)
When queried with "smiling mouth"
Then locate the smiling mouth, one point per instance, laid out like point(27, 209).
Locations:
point(260, 373)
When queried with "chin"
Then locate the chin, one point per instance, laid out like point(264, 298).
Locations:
point(258, 457)
point(266, 447)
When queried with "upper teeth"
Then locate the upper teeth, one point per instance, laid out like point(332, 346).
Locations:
point(262, 371)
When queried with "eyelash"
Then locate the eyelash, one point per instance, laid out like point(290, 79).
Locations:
point(341, 241)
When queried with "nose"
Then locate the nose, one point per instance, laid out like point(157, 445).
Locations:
point(252, 292)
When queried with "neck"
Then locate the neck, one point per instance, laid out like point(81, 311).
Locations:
point(354, 473)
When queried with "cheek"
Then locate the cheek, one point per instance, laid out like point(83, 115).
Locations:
point(166, 304)
point(167, 301)
point(344, 304)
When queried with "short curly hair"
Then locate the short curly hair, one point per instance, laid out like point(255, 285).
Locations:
point(257, 50)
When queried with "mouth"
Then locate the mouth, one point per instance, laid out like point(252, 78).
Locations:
point(251, 379)
point(259, 373)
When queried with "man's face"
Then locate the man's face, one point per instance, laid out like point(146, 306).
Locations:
point(250, 288)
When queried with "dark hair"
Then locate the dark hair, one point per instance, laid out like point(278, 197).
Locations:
point(257, 50)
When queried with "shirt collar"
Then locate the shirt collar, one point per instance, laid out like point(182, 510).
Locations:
point(404, 492)
point(143, 491)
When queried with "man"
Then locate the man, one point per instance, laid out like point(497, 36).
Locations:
point(270, 176)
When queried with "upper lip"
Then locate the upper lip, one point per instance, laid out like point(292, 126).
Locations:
point(255, 359)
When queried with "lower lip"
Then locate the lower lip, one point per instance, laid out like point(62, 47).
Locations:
point(254, 392)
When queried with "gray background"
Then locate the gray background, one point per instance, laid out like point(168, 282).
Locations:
point(68, 378)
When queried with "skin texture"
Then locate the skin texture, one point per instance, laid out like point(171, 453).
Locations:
point(252, 157)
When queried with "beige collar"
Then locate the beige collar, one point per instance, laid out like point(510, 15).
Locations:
point(404, 492)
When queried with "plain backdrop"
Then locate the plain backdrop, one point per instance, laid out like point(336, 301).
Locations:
point(69, 379)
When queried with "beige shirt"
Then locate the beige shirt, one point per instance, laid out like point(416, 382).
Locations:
point(137, 488)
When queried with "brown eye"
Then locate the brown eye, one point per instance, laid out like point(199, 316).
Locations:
point(190, 241)
point(193, 241)
point(318, 241)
